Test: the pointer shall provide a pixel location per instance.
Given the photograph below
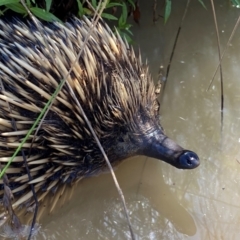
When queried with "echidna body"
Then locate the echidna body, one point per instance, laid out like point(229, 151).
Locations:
point(112, 85)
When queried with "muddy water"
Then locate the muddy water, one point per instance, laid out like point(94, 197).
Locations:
point(166, 203)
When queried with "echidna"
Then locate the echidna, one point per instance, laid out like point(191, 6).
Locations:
point(113, 86)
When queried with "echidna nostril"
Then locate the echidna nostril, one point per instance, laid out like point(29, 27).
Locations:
point(189, 160)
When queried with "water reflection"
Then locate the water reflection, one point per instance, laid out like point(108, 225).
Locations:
point(156, 217)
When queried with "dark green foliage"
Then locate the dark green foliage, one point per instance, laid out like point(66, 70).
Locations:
point(51, 10)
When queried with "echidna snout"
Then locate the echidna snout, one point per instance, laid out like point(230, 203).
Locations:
point(157, 145)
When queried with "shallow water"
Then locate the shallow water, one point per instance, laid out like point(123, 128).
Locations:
point(163, 202)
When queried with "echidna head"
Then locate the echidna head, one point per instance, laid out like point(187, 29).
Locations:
point(150, 140)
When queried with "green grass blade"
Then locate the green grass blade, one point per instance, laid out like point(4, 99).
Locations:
point(33, 127)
